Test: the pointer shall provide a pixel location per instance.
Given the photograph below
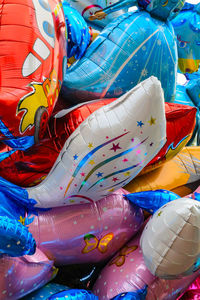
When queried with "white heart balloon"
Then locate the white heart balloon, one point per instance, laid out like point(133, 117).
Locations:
point(108, 149)
point(171, 239)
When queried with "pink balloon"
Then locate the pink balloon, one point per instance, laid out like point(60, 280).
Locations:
point(22, 275)
point(86, 233)
point(127, 272)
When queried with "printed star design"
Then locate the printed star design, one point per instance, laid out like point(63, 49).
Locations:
point(140, 123)
point(151, 144)
point(152, 121)
point(111, 190)
point(92, 162)
point(127, 173)
point(90, 145)
point(75, 157)
point(115, 179)
point(82, 174)
point(125, 160)
point(115, 147)
point(159, 214)
point(99, 174)
point(132, 140)
point(138, 151)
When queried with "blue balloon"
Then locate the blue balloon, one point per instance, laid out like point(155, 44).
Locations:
point(138, 295)
point(128, 50)
point(187, 29)
point(15, 239)
point(78, 32)
point(74, 294)
point(46, 291)
point(151, 201)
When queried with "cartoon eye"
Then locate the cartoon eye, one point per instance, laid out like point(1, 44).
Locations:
point(45, 20)
point(182, 44)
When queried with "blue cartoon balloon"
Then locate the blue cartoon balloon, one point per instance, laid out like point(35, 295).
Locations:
point(129, 50)
point(78, 32)
point(74, 294)
point(46, 291)
point(187, 29)
point(151, 201)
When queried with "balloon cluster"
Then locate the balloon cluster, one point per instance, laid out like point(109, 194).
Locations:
point(94, 135)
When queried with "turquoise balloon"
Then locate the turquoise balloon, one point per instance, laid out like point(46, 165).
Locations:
point(129, 50)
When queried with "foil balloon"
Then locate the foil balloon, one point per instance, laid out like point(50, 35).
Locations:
point(46, 291)
point(127, 273)
point(33, 59)
point(15, 239)
point(187, 29)
point(193, 291)
point(78, 32)
point(182, 170)
point(74, 294)
point(183, 97)
point(22, 275)
point(193, 90)
point(124, 54)
point(178, 133)
point(87, 233)
point(30, 167)
point(107, 150)
point(88, 7)
point(170, 240)
point(151, 201)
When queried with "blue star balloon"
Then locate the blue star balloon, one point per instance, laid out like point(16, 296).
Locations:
point(15, 239)
point(151, 201)
point(74, 294)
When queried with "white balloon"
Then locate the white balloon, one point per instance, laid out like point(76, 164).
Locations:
point(171, 239)
point(108, 149)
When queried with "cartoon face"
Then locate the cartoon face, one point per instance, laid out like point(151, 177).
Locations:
point(187, 30)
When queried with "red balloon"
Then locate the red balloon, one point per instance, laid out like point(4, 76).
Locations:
point(29, 167)
point(32, 60)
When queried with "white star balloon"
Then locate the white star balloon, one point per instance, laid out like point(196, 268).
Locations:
point(171, 239)
point(108, 149)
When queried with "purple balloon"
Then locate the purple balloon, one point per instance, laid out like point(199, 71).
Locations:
point(89, 232)
point(22, 275)
point(127, 272)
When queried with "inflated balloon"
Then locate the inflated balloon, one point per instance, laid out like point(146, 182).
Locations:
point(183, 169)
point(15, 239)
point(78, 32)
point(87, 233)
point(183, 97)
point(107, 150)
point(88, 7)
point(32, 69)
point(151, 201)
point(193, 90)
point(178, 133)
point(170, 240)
point(74, 294)
point(127, 272)
point(124, 54)
point(46, 291)
point(187, 29)
point(22, 275)
point(193, 291)
point(30, 167)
